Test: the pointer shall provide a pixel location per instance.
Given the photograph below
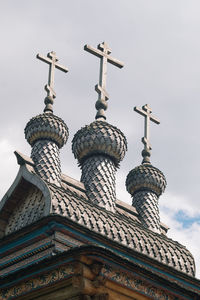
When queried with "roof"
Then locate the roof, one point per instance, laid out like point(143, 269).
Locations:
point(70, 201)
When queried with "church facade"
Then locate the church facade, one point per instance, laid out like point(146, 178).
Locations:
point(61, 238)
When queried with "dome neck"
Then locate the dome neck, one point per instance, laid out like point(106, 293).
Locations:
point(146, 204)
point(46, 156)
point(98, 176)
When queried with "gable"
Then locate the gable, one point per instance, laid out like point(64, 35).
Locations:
point(29, 208)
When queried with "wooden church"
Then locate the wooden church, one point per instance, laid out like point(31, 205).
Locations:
point(65, 239)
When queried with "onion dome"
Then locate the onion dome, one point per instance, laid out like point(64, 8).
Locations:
point(99, 137)
point(146, 183)
point(146, 177)
point(46, 126)
point(99, 147)
point(47, 133)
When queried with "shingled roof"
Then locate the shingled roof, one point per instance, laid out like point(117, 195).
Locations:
point(70, 201)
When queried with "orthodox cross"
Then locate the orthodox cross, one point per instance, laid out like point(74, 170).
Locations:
point(103, 52)
point(51, 59)
point(146, 113)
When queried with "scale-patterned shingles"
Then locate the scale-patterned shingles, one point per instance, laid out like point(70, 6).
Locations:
point(46, 126)
point(146, 176)
point(29, 210)
point(46, 156)
point(146, 183)
point(146, 204)
point(47, 133)
point(121, 229)
point(99, 137)
point(98, 176)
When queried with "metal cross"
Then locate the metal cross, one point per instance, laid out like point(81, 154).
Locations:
point(51, 59)
point(146, 113)
point(103, 52)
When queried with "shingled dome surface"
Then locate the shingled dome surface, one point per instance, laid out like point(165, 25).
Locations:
point(99, 137)
point(146, 177)
point(47, 126)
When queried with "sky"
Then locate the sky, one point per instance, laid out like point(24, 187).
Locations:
point(159, 43)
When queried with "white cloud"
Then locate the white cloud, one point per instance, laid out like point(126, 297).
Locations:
point(185, 230)
point(176, 203)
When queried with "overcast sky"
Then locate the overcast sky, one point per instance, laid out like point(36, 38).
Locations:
point(159, 43)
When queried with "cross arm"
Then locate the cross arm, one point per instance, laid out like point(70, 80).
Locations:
point(140, 111)
point(44, 59)
point(61, 68)
point(155, 120)
point(94, 51)
point(115, 62)
point(145, 114)
point(49, 61)
point(100, 54)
